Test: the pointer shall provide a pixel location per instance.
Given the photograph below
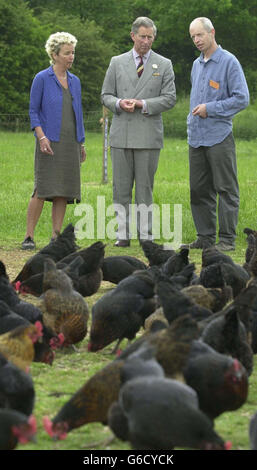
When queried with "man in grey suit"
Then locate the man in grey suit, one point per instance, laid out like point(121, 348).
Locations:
point(138, 87)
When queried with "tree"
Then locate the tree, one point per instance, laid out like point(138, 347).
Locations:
point(21, 44)
point(235, 22)
point(92, 53)
point(114, 16)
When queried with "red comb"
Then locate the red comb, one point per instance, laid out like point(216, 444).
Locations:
point(236, 364)
point(17, 286)
point(33, 423)
point(228, 445)
point(48, 425)
point(39, 328)
point(57, 341)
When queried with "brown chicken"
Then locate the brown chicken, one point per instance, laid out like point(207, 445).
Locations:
point(64, 310)
point(212, 298)
point(173, 350)
point(18, 345)
point(92, 401)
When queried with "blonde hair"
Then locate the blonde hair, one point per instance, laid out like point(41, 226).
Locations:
point(56, 41)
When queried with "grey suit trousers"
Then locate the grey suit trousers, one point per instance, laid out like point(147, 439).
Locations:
point(213, 173)
point(129, 166)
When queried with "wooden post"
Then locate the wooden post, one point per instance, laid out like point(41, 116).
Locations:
point(105, 145)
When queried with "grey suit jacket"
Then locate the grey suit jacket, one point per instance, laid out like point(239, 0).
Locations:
point(156, 86)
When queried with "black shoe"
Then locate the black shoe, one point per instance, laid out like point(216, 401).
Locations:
point(223, 246)
point(201, 244)
point(28, 244)
point(122, 243)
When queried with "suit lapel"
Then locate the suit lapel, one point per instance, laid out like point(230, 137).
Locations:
point(131, 69)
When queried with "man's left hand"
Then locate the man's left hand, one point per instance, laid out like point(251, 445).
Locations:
point(200, 110)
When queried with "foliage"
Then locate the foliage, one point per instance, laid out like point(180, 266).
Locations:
point(21, 42)
point(92, 52)
point(235, 22)
point(103, 28)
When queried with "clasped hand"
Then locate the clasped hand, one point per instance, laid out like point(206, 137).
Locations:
point(130, 105)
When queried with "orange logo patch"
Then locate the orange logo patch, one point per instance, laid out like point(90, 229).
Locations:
point(214, 84)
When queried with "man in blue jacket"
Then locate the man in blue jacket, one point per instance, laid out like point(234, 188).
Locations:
point(219, 91)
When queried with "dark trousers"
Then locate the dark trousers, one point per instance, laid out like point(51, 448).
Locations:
point(213, 182)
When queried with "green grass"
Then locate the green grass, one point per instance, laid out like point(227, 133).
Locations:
point(54, 385)
point(171, 187)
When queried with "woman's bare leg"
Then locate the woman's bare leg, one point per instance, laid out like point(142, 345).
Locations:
point(34, 211)
point(58, 213)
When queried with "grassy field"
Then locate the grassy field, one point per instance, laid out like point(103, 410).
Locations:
point(54, 385)
point(171, 187)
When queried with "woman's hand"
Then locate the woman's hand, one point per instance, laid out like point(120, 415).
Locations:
point(83, 154)
point(45, 146)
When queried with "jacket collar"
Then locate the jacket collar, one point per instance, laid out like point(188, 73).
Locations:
point(51, 72)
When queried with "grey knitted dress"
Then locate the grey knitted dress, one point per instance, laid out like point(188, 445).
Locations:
point(58, 175)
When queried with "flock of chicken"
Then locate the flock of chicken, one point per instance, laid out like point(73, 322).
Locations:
point(191, 363)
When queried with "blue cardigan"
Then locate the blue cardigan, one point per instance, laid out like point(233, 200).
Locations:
point(46, 104)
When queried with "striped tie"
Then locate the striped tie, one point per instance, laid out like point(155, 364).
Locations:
point(140, 67)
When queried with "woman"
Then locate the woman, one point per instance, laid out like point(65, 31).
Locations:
point(57, 119)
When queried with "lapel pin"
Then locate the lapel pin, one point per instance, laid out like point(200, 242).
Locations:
point(155, 66)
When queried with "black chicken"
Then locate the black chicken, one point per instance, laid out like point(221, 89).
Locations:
point(85, 272)
point(156, 413)
point(116, 268)
point(15, 428)
point(227, 335)
point(9, 319)
point(252, 265)
point(221, 382)
point(63, 245)
point(34, 284)
point(219, 269)
point(155, 253)
point(172, 347)
point(16, 388)
point(175, 302)
point(92, 401)
point(176, 262)
point(120, 313)
point(251, 238)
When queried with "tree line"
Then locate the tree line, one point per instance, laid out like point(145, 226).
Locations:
point(102, 29)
